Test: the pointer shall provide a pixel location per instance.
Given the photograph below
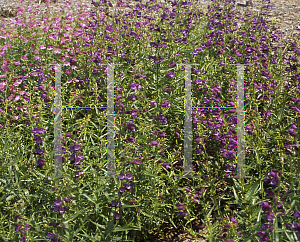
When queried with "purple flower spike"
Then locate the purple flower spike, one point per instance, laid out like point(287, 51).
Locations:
point(129, 176)
point(40, 163)
point(117, 215)
point(18, 227)
point(275, 182)
point(297, 214)
point(181, 214)
point(122, 190)
point(38, 130)
point(27, 227)
point(51, 235)
point(265, 206)
point(166, 104)
point(233, 220)
point(270, 217)
point(132, 98)
point(121, 176)
point(58, 202)
point(76, 174)
point(23, 239)
point(154, 143)
point(38, 139)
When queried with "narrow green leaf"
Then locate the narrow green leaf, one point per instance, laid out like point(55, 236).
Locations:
point(291, 239)
point(252, 190)
point(74, 216)
point(128, 228)
point(277, 230)
point(235, 195)
point(99, 225)
point(89, 198)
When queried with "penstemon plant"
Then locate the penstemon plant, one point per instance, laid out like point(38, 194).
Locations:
point(151, 49)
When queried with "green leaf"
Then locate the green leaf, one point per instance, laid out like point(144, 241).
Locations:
point(281, 110)
point(10, 197)
point(289, 237)
point(101, 226)
point(278, 231)
point(252, 190)
point(259, 216)
point(89, 198)
point(235, 195)
point(150, 216)
point(128, 228)
point(74, 216)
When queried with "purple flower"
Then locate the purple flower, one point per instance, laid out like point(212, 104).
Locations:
point(132, 98)
point(181, 214)
point(291, 132)
point(114, 203)
point(172, 64)
point(27, 227)
point(170, 74)
point(130, 125)
point(166, 104)
point(154, 143)
point(117, 215)
point(270, 217)
point(269, 193)
point(23, 238)
point(66, 200)
point(134, 86)
point(180, 206)
point(294, 127)
point(161, 134)
point(279, 205)
point(121, 176)
point(168, 89)
point(265, 206)
point(54, 224)
point(297, 214)
point(62, 210)
point(275, 182)
point(74, 148)
point(288, 226)
point(76, 174)
point(38, 151)
point(127, 186)
point(153, 103)
point(129, 176)
point(166, 165)
point(38, 139)
point(265, 226)
point(51, 235)
point(296, 226)
point(233, 220)
point(121, 190)
point(40, 163)
point(38, 130)
point(58, 202)
point(161, 118)
point(18, 227)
